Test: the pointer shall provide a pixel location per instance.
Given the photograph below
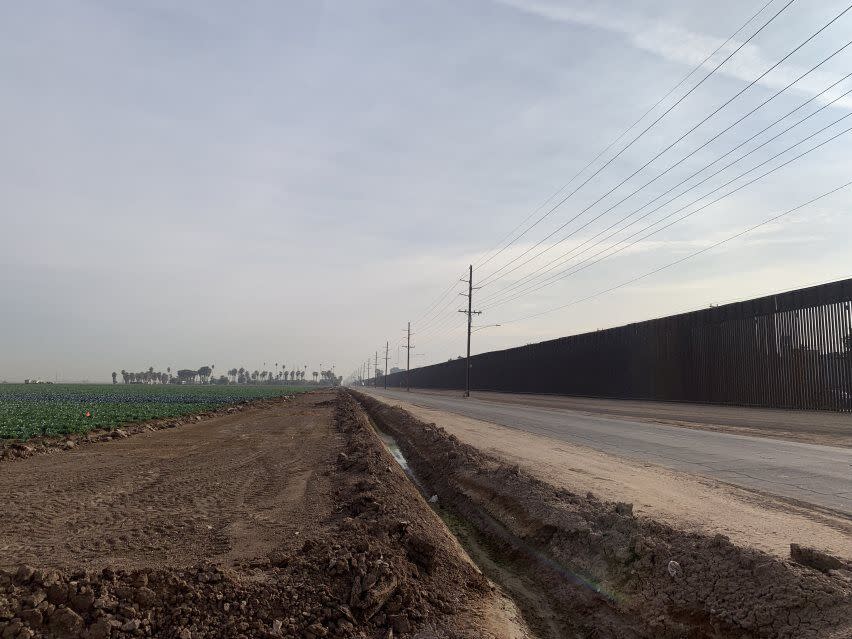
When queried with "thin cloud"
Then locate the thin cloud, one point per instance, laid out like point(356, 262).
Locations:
point(681, 45)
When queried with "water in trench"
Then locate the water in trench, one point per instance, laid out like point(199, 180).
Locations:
point(535, 608)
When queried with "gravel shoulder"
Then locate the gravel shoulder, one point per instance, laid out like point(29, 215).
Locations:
point(687, 501)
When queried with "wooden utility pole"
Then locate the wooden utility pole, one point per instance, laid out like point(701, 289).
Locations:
point(470, 313)
point(408, 348)
point(387, 351)
point(376, 379)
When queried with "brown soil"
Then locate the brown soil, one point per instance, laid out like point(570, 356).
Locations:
point(686, 501)
point(289, 520)
point(13, 449)
point(583, 567)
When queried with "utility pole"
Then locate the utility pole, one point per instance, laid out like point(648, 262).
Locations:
point(376, 380)
point(470, 313)
point(408, 348)
point(387, 351)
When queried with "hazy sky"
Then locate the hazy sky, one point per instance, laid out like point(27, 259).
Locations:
point(196, 182)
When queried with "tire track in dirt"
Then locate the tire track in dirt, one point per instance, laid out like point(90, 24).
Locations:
point(286, 522)
point(222, 488)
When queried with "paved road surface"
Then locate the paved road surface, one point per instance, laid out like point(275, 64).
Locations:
point(812, 473)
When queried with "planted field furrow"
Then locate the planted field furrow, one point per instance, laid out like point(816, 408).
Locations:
point(29, 410)
point(285, 520)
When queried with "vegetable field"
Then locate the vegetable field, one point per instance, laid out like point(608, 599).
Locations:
point(28, 410)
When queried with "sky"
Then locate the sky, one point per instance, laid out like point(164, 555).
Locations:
point(208, 182)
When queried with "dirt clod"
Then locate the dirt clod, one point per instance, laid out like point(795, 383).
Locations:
point(813, 558)
point(588, 567)
point(296, 545)
point(674, 569)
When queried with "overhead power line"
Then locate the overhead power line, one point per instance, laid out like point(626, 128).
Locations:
point(625, 132)
point(435, 312)
point(579, 267)
point(652, 108)
point(674, 165)
point(486, 279)
point(591, 261)
point(633, 280)
point(560, 260)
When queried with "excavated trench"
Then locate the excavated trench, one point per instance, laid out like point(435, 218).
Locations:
point(512, 573)
point(578, 566)
point(499, 569)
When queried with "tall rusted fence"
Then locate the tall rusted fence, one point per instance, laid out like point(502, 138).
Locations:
point(790, 350)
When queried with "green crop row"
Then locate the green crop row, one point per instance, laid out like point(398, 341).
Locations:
point(28, 410)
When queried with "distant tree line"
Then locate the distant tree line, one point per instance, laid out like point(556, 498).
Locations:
point(205, 375)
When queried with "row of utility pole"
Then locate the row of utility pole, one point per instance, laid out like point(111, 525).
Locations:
point(408, 346)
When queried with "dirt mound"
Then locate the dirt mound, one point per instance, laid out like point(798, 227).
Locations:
point(609, 574)
point(380, 564)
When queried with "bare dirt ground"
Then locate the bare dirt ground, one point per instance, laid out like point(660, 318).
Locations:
point(582, 566)
point(292, 520)
point(686, 501)
point(812, 427)
point(289, 520)
point(222, 490)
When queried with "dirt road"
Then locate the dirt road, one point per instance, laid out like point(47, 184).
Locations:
point(683, 500)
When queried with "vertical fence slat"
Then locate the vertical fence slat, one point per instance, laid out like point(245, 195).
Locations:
point(786, 350)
